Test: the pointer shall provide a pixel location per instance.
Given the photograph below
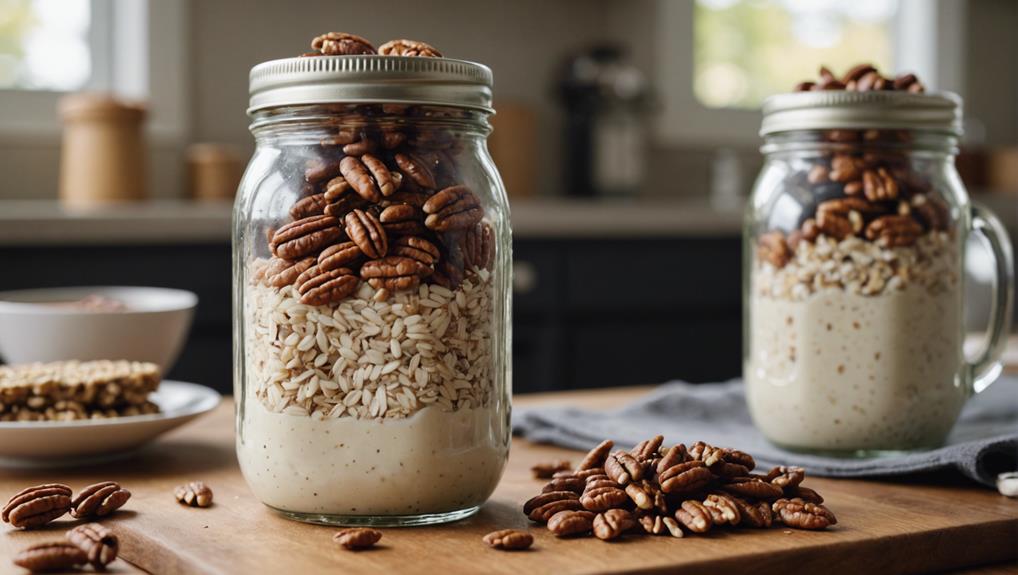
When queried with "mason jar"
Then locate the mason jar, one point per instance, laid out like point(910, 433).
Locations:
point(854, 274)
point(371, 282)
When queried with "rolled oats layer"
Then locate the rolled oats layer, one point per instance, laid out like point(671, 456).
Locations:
point(861, 267)
point(364, 358)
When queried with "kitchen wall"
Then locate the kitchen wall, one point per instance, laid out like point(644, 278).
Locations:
point(524, 41)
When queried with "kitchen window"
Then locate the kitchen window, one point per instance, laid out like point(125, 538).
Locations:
point(49, 48)
point(723, 57)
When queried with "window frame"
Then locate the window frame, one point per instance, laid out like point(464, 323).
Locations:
point(929, 40)
point(132, 57)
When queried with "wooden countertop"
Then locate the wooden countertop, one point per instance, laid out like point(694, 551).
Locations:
point(35, 222)
point(885, 526)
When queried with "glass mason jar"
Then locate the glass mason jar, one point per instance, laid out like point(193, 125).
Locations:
point(372, 268)
point(854, 274)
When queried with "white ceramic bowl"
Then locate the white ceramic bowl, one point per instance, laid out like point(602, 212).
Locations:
point(152, 328)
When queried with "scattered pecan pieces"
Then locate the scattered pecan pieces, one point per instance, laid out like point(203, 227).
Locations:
point(52, 556)
point(194, 494)
point(99, 500)
point(357, 538)
point(99, 543)
point(408, 48)
point(509, 539)
point(36, 506)
point(548, 469)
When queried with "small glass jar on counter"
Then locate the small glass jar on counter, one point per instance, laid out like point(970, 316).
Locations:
point(854, 274)
point(371, 279)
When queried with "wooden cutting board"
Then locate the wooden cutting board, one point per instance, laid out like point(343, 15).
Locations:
point(884, 527)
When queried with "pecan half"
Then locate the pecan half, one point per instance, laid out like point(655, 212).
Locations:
point(648, 448)
point(405, 47)
point(354, 538)
point(572, 483)
point(647, 496)
point(894, 231)
point(336, 188)
point(321, 169)
point(402, 219)
point(545, 512)
point(612, 524)
point(772, 247)
point(723, 510)
point(548, 469)
point(752, 487)
point(586, 474)
point(337, 256)
point(52, 556)
point(313, 205)
point(543, 499)
point(845, 168)
point(805, 493)
point(99, 500)
point(802, 515)
point(694, 516)
point(596, 456)
point(603, 498)
point(322, 287)
point(786, 476)
point(416, 248)
point(369, 177)
point(99, 543)
point(931, 211)
point(856, 72)
point(684, 477)
point(675, 455)
point(454, 208)
point(305, 236)
point(623, 467)
point(282, 272)
point(194, 494)
point(878, 185)
point(417, 170)
point(570, 522)
point(753, 514)
point(37, 505)
point(341, 44)
point(599, 480)
point(509, 539)
point(366, 231)
point(479, 246)
point(394, 273)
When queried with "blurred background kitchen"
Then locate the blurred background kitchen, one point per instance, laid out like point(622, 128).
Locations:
point(626, 133)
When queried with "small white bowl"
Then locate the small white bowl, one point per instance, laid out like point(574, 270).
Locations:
point(152, 328)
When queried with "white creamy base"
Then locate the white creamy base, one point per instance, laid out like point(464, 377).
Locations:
point(431, 462)
point(840, 371)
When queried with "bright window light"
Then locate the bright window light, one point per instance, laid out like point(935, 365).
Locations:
point(746, 50)
point(44, 44)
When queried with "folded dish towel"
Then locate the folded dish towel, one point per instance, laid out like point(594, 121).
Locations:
point(983, 443)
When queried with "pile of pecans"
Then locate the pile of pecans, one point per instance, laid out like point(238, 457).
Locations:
point(872, 190)
point(657, 490)
point(383, 202)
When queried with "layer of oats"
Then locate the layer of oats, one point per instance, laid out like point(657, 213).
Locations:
point(861, 267)
point(371, 359)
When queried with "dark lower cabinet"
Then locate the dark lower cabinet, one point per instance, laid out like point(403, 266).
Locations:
point(587, 313)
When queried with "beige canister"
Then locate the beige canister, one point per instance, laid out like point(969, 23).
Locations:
point(214, 171)
point(103, 156)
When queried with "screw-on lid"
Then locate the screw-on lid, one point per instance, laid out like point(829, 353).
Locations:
point(878, 110)
point(364, 79)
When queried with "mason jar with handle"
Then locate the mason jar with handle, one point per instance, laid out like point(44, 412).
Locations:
point(372, 291)
point(854, 274)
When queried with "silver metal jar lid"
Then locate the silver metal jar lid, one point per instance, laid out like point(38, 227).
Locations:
point(880, 110)
point(370, 79)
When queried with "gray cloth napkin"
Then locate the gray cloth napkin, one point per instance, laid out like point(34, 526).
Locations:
point(982, 444)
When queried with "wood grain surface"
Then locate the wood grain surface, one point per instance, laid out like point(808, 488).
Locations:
point(884, 527)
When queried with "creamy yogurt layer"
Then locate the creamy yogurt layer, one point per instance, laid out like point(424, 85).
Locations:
point(434, 461)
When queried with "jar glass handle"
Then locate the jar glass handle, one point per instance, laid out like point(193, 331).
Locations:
point(986, 366)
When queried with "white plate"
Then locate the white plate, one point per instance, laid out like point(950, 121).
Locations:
point(63, 443)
